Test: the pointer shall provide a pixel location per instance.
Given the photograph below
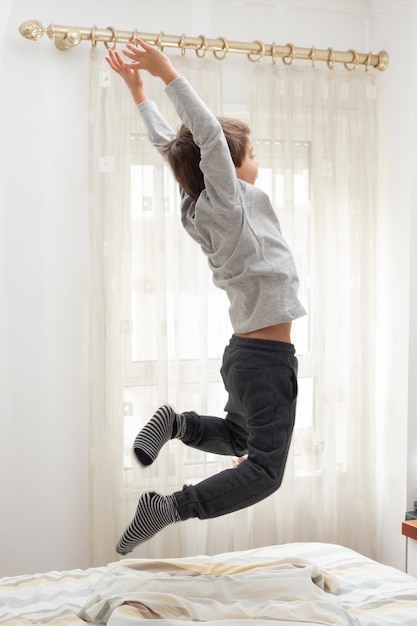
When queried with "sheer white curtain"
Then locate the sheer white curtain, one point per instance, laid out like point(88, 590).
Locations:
point(316, 137)
point(158, 325)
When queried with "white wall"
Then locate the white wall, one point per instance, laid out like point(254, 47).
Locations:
point(43, 312)
point(412, 185)
point(44, 489)
point(394, 26)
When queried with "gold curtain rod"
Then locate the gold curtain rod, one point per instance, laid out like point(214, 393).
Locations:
point(66, 37)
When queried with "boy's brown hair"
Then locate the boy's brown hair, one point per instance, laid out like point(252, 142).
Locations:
point(183, 154)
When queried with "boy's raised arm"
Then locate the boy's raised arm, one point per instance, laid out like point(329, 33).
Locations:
point(152, 60)
point(146, 58)
point(156, 63)
point(131, 76)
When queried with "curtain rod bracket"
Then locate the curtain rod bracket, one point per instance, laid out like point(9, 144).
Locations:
point(71, 39)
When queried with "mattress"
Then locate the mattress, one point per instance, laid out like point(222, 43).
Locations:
point(286, 585)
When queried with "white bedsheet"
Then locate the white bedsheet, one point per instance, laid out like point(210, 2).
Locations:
point(284, 592)
point(282, 584)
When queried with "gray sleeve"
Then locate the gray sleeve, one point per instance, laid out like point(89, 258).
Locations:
point(159, 131)
point(216, 163)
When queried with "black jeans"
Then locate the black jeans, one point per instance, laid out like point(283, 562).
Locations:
point(261, 379)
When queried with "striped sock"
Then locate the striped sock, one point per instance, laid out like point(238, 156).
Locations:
point(153, 513)
point(164, 425)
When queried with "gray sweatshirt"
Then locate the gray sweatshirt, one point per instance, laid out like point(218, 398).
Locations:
point(233, 221)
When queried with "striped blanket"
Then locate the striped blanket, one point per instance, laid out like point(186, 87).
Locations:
point(294, 584)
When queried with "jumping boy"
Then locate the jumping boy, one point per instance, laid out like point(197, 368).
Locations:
point(238, 231)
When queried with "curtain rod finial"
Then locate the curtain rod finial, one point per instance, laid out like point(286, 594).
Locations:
point(383, 60)
point(32, 30)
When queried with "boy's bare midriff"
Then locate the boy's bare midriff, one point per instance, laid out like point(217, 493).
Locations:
point(277, 332)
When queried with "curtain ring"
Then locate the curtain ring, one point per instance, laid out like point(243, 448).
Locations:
point(330, 61)
point(368, 62)
point(181, 44)
point(354, 61)
point(202, 47)
point(158, 42)
point(93, 36)
point(289, 58)
point(273, 54)
point(313, 56)
point(113, 40)
point(261, 52)
point(225, 49)
point(133, 37)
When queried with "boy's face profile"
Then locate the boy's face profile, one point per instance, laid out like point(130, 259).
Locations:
point(248, 169)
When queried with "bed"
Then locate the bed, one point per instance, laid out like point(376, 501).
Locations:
point(292, 584)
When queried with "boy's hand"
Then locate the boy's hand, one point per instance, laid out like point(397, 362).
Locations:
point(150, 59)
point(130, 75)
